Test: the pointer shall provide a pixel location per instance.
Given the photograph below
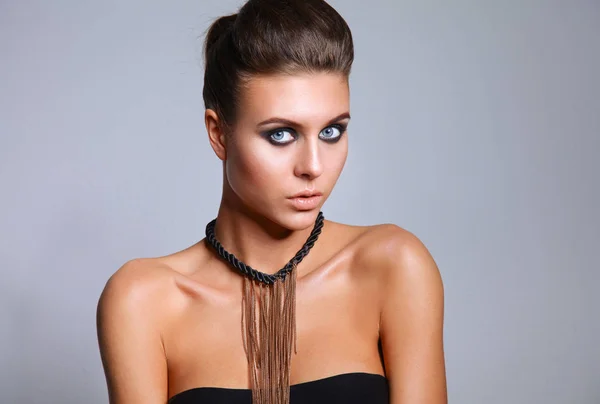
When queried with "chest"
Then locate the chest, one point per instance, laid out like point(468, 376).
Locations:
point(337, 320)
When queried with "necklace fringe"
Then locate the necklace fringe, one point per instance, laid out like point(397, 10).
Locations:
point(268, 333)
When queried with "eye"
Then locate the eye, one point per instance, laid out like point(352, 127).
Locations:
point(330, 133)
point(280, 136)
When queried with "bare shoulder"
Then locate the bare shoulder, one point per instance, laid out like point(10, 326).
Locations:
point(397, 252)
point(391, 254)
point(139, 293)
point(412, 312)
point(131, 312)
point(138, 282)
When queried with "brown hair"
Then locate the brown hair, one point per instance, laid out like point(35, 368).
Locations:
point(269, 37)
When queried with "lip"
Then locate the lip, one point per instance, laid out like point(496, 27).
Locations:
point(306, 194)
point(306, 200)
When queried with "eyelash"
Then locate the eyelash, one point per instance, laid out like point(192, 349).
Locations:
point(341, 127)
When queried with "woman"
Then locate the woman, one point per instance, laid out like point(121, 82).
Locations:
point(355, 313)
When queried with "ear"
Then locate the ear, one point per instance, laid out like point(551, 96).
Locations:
point(216, 135)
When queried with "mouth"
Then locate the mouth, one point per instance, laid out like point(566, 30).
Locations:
point(306, 194)
point(306, 200)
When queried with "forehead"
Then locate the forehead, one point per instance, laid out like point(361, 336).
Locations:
point(300, 97)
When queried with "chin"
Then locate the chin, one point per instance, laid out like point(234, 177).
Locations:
point(296, 220)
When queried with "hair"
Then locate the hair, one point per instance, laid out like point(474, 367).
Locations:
point(271, 37)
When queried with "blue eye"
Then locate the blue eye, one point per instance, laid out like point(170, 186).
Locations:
point(281, 136)
point(331, 133)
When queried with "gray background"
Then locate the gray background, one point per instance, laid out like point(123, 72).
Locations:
point(476, 125)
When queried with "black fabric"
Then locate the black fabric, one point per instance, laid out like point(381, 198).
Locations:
point(348, 388)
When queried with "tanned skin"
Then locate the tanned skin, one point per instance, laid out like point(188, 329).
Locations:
point(172, 323)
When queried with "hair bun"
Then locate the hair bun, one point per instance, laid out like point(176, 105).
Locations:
point(272, 37)
point(219, 29)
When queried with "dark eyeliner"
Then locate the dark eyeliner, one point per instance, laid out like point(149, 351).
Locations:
point(339, 126)
point(267, 135)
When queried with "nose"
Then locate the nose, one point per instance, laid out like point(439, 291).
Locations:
point(309, 164)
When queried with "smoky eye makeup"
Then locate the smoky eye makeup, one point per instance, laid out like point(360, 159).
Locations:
point(285, 135)
point(280, 136)
point(333, 133)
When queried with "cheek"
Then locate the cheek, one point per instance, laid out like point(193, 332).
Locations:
point(335, 159)
point(255, 171)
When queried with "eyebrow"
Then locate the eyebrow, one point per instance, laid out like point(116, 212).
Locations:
point(345, 115)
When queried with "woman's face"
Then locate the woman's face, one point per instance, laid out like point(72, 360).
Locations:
point(289, 138)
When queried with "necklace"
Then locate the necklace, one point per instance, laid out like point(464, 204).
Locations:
point(268, 319)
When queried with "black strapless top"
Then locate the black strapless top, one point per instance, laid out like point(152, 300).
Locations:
point(347, 388)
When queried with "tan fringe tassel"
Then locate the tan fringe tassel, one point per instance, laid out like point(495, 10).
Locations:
point(268, 332)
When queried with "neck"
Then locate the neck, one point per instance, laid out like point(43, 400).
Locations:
point(255, 240)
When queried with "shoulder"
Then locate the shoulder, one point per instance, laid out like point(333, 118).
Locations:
point(411, 313)
point(140, 286)
point(137, 279)
point(389, 253)
point(131, 315)
point(399, 259)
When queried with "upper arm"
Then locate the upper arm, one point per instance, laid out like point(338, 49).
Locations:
point(412, 317)
point(129, 337)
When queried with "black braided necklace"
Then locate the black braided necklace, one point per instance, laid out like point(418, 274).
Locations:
point(252, 273)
